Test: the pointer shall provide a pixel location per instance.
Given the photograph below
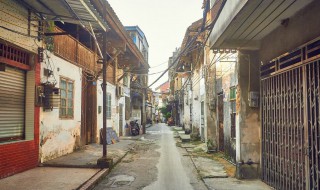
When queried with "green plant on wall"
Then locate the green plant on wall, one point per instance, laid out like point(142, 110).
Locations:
point(49, 40)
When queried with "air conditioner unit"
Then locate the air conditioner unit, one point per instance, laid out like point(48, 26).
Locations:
point(120, 92)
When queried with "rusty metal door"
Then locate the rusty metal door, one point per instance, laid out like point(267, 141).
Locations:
point(220, 122)
point(291, 128)
point(283, 158)
point(290, 113)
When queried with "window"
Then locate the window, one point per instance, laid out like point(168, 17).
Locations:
point(233, 109)
point(108, 106)
point(233, 93)
point(66, 104)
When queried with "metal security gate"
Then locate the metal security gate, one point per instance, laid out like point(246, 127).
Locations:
point(283, 130)
point(313, 112)
point(12, 104)
point(290, 110)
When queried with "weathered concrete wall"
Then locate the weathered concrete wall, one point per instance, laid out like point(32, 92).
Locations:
point(202, 93)
point(196, 104)
point(60, 136)
point(122, 101)
point(186, 107)
point(136, 115)
point(226, 78)
point(302, 27)
point(248, 133)
point(211, 137)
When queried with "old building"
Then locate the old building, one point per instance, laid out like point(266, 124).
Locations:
point(52, 66)
point(161, 98)
point(19, 74)
point(276, 136)
point(139, 77)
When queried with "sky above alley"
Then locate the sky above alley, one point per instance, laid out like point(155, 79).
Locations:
point(164, 22)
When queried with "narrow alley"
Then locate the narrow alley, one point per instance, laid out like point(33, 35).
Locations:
point(160, 95)
point(158, 161)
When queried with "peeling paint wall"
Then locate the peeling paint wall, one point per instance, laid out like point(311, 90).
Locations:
point(248, 145)
point(210, 98)
point(203, 124)
point(186, 106)
point(196, 104)
point(60, 136)
point(226, 77)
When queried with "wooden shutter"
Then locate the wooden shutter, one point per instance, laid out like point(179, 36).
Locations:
point(12, 104)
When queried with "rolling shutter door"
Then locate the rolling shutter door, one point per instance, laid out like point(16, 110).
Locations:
point(12, 104)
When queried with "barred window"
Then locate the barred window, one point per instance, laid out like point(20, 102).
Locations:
point(108, 106)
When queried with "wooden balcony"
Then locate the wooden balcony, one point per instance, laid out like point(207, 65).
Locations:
point(70, 49)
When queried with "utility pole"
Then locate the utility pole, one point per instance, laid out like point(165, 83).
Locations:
point(104, 162)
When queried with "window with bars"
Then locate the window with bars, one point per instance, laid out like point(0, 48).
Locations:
point(108, 106)
point(66, 104)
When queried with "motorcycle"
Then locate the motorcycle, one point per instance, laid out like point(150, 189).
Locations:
point(135, 129)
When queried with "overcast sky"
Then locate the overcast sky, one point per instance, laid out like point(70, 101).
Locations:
point(164, 23)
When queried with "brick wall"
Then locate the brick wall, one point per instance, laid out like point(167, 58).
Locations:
point(21, 155)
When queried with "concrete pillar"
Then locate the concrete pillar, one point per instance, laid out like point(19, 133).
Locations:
point(248, 137)
point(210, 104)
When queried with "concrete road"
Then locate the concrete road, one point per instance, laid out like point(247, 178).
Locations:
point(154, 164)
point(171, 174)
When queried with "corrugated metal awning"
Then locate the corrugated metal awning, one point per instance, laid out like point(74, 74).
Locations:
point(80, 12)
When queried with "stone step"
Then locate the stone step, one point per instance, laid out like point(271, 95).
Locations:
point(185, 138)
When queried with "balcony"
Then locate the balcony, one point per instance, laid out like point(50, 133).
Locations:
point(70, 49)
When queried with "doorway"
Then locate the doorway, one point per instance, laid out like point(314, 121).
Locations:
point(88, 110)
point(220, 122)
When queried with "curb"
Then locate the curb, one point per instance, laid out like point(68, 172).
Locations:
point(96, 178)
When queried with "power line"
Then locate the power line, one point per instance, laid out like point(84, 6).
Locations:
point(187, 46)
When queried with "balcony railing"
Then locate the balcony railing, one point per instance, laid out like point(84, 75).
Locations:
point(70, 49)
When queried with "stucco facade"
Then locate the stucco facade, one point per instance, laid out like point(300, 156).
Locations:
point(60, 136)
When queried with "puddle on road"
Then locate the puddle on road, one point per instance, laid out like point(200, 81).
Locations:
point(120, 181)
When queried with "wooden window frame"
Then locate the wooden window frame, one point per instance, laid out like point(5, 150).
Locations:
point(66, 116)
point(235, 93)
point(109, 98)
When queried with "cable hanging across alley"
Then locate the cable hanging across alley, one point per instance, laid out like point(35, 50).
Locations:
point(186, 47)
point(198, 79)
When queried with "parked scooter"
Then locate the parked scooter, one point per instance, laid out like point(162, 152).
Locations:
point(135, 129)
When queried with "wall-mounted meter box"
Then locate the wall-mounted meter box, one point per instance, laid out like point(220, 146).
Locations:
point(253, 98)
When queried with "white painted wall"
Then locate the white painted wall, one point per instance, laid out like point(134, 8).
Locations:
point(196, 104)
point(186, 107)
point(202, 94)
point(114, 121)
point(60, 136)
